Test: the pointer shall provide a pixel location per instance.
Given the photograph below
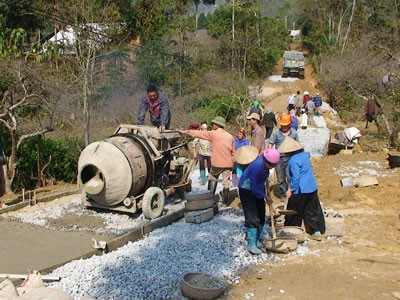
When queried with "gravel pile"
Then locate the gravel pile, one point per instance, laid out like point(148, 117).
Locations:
point(363, 169)
point(153, 267)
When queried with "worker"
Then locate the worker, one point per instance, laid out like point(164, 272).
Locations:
point(269, 121)
point(158, 106)
point(306, 97)
point(298, 103)
point(304, 119)
point(222, 156)
point(205, 150)
point(310, 108)
point(257, 134)
point(240, 141)
point(255, 108)
point(372, 110)
point(303, 191)
point(276, 139)
point(253, 197)
point(295, 122)
point(291, 102)
point(317, 103)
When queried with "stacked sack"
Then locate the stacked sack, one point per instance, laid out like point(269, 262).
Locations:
point(33, 287)
point(200, 207)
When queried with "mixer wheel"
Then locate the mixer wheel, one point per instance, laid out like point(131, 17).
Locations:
point(153, 202)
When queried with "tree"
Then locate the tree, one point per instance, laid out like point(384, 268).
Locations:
point(196, 5)
point(20, 14)
point(244, 34)
point(23, 108)
point(10, 40)
point(95, 31)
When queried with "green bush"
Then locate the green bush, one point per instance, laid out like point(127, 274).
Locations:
point(35, 152)
point(217, 105)
point(262, 61)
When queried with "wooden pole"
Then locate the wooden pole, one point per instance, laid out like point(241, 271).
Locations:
point(23, 276)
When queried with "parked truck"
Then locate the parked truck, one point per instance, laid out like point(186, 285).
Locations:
point(294, 64)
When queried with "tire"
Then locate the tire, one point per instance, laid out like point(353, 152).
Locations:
point(153, 202)
point(285, 73)
point(194, 196)
point(199, 204)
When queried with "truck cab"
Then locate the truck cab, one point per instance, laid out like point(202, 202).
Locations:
point(294, 64)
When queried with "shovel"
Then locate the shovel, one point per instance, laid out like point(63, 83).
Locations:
point(285, 211)
point(273, 244)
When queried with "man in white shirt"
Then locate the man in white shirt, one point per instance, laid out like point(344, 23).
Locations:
point(291, 102)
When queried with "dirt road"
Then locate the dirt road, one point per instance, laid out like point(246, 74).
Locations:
point(365, 262)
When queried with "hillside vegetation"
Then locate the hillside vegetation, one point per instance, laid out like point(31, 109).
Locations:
point(73, 94)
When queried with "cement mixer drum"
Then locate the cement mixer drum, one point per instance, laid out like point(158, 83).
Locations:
point(116, 173)
point(105, 165)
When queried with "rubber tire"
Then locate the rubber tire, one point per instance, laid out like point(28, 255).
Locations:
point(149, 211)
point(199, 204)
point(206, 195)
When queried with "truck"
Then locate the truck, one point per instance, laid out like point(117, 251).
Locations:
point(294, 64)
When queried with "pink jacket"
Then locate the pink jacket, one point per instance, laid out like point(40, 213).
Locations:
point(223, 149)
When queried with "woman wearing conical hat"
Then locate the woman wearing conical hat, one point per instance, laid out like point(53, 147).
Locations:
point(303, 190)
point(252, 191)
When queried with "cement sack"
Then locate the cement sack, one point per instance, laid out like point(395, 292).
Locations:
point(334, 223)
point(6, 296)
point(44, 293)
point(8, 287)
point(34, 280)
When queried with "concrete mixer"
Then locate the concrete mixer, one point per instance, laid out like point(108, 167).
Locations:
point(135, 168)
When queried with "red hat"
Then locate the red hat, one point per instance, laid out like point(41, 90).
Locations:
point(243, 131)
point(194, 126)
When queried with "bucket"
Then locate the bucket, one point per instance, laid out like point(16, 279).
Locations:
point(346, 182)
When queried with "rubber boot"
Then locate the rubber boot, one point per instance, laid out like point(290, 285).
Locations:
point(212, 186)
point(251, 241)
point(225, 196)
point(234, 180)
point(203, 179)
point(260, 236)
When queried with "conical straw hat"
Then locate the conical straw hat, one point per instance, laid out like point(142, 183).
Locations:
point(289, 145)
point(246, 154)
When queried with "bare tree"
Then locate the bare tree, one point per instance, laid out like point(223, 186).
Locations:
point(23, 108)
point(94, 28)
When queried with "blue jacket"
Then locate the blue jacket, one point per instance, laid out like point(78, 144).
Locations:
point(240, 143)
point(317, 101)
point(254, 177)
point(295, 123)
point(302, 180)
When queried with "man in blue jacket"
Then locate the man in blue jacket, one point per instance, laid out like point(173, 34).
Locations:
point(158, 106)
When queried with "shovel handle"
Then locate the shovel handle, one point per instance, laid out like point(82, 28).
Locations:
point(272, 220)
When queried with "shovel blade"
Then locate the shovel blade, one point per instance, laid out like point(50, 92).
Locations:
point(287, 212)
point(273, 243)
point(281, 246)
